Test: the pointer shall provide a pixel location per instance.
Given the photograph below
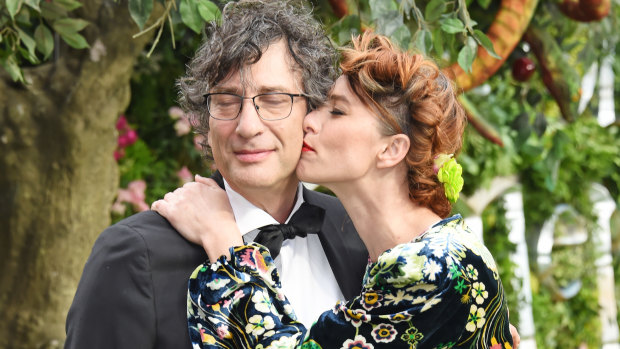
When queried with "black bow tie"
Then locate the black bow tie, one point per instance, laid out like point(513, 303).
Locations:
point(307, 220)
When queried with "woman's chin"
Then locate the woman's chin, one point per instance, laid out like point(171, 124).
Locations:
point(305, 174)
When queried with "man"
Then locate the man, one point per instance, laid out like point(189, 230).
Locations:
point(265, 66)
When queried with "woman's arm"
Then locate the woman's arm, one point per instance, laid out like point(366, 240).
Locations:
point(239, 303)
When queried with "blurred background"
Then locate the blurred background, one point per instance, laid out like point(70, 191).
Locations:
point(90, 133)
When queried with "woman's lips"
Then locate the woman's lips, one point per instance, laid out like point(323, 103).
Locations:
point(306, 147)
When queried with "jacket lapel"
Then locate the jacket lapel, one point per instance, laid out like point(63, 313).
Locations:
point(344, 249)
point(217, 177)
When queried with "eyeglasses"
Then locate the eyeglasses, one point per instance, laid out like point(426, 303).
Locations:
point(269, 106)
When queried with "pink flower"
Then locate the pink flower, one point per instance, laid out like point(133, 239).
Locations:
point(185, 175)
point(182, 126)
point(238, 294)
point(124, 195)
point(127, 139)
point(141, 206)
point(119, 154)
point(118, 207)
point(246, 259)
point(176, 113)
point(137, 189)
point(134, 194)
point(222, 331)
point(122, 124)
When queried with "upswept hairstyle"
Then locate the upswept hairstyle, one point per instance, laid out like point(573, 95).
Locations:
point(246, 29)
point(411, 96)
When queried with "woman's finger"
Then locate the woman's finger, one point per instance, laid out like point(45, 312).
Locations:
point(169, 196)
point(161, 207)
point(204, 180)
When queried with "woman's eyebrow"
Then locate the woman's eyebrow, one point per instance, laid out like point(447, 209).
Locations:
point(334, 97)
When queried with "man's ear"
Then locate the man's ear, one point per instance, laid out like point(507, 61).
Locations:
point(394, 151)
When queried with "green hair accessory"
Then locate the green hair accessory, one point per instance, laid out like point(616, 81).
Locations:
point(449, 172)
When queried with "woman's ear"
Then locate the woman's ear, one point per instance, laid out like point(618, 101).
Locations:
point(394, 151)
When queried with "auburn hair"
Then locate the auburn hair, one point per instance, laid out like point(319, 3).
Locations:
point(411, 96)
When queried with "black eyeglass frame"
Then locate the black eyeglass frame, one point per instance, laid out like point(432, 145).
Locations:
point(292, 95)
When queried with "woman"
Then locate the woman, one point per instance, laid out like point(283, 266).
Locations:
point(384, 144)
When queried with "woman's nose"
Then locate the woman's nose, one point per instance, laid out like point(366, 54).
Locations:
point(311, 122)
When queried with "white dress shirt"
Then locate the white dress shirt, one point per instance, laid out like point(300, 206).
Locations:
point(307, 279)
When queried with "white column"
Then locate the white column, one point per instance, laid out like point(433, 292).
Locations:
point(513, 202)
point(481, 199)
point(604, 207)
point(606, 111)
point(475, 224)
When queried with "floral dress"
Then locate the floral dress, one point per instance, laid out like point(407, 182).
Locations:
point(441, 290)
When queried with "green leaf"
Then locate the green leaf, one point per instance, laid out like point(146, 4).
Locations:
point(68, 25)
point(346, 27)
point(389, 24)
point(13, 7)
point(27, 55)
point(140, 11)
point(424, 41)
point(10, 65)
point(22, 18)
point(467, 54)
point(452, 25)
point(190, 16)
point(486, 43)
point(52, 11)
point(402, 36)
point(68, 29)
point(30, 45)
point(44, 39)
point(74, 40)
point(521, 124)
point(208, 10)
point(33, 4)
point(68, 5)
point(434, 9)
point(381, 8)
point(484, 3)
point(438, 41)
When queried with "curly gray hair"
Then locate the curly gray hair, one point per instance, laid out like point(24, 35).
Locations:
point(246, 29)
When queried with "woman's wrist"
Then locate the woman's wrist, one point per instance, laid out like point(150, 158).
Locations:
point(217, 245)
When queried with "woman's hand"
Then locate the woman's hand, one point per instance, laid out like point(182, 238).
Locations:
point(200, 211)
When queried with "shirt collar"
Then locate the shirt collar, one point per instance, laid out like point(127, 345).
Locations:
point(250, 217)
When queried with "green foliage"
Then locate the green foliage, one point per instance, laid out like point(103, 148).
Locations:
point(437, 28)
point(159, 153)
point(496, 233)
point(568, 323)
point(25, 35)
point(140, 11)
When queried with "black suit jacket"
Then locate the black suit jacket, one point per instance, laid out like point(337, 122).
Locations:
point(133, 289)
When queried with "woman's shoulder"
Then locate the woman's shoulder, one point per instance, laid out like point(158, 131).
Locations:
point(446, 246)
point(452, 238)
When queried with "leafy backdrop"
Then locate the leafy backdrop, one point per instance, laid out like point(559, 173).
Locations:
point(521, 94)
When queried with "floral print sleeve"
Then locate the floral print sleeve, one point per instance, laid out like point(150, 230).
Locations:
point(440, 291)
point(239, 303)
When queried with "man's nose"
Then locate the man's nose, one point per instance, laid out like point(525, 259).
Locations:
point(249, 122)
